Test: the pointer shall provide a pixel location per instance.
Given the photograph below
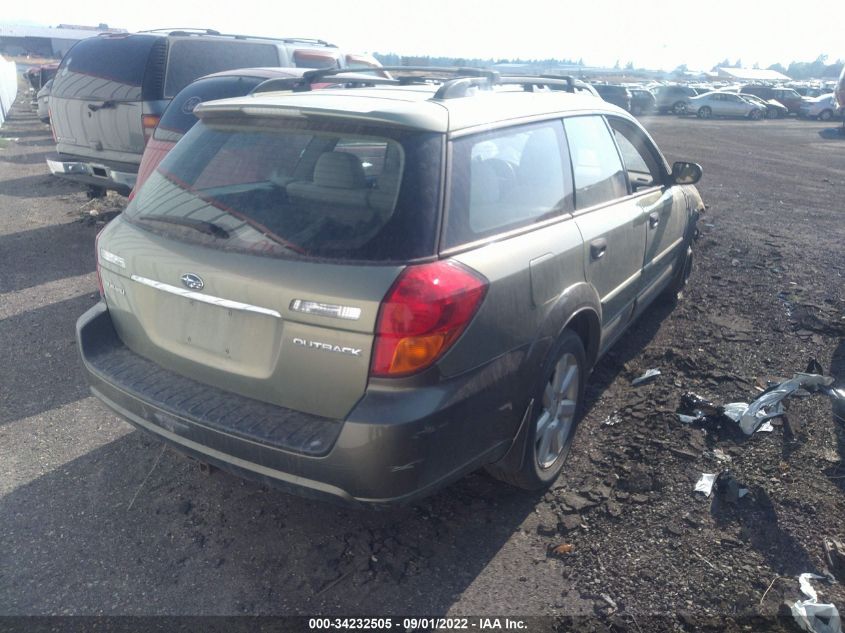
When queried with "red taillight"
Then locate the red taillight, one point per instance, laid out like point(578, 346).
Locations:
point(149, 122)
point(423, 314)
point(97, 256)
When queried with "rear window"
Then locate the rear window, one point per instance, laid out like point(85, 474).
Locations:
point(193, 58)
point(179, 116)
point(105, 68)
point(297, 188)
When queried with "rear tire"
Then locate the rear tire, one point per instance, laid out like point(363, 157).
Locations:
point(678, 107)
point(755, 115)
point(558, 403)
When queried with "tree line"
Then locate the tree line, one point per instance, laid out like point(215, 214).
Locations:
point(817, 69)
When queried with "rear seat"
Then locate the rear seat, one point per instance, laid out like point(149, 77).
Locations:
point(339, 190)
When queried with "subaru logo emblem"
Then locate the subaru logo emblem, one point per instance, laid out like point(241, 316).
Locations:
point(192, 281)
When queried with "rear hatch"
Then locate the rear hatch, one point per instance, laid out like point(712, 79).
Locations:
point(97, 96)
point(256, 256)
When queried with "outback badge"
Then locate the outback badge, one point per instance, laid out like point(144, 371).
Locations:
point(192, 281)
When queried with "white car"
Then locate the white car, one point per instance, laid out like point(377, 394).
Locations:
point(822, 108)
point(718, 103)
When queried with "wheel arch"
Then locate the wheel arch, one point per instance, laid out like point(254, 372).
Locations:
point(578, 308)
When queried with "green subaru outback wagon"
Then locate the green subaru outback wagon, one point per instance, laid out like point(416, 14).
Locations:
point(366, 293)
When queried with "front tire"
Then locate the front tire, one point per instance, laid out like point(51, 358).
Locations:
point(679, 107)
point(705, 113)
point(558, 403)
point(825, 115)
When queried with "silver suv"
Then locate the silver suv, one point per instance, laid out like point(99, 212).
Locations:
point(110, 91)
point(367, 293)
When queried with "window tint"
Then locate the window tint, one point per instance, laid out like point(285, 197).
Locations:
point(506, 179)
point(599, 176)
point(105, 68)
point(193, 58)
point(297, 189)
point(179, 116)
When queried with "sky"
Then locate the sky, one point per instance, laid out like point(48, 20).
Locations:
point(650, 33)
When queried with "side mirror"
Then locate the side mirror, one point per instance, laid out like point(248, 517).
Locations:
point(684, 173)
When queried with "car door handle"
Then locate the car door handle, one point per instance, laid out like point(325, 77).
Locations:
point(653, 219)
point(598, 248)
point(105, 104)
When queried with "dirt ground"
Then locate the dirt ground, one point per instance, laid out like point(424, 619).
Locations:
point(96, 518)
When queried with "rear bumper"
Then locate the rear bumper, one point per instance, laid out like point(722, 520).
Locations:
point(395, 446)
point(110, 175)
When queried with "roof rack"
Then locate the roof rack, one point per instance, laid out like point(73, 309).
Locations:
point(454, 81)
point(189, 29)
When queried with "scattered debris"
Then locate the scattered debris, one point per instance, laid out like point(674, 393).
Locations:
point(812, 616)
point(729, 488)
point(721, 456)
point(611, 603)
point(612, 420)
point(705, 483)
point(561, 550)
point(646, 377)
point(768, 405)
point(834, 552)
point(754, 417)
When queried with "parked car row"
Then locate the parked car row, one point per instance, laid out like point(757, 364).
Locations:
point(110, 91)
point(754, 101)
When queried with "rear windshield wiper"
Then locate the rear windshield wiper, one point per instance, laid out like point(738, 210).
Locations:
point(203, 226)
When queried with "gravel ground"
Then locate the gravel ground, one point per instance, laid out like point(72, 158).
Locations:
point(96, 518)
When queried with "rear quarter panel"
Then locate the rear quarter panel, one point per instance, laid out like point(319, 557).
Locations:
point(528, 274)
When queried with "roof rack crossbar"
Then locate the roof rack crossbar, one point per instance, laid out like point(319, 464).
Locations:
point(529, 82)
point(199, 31)
point(298, 84)
point(434, 73)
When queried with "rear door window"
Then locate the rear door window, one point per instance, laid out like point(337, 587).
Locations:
point(596, 165)
point(105, 67)
point(192, 58)
point(507, 179)
point(298, 189)
point(179, 116)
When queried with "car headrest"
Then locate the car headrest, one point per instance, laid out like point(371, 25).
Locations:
point(339, 170)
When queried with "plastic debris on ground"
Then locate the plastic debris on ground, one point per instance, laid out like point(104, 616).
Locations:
point(754, 417)
point(705, 483)
point(612, 420)
point(649, 375)
point(727, 487)
point(811, 615)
